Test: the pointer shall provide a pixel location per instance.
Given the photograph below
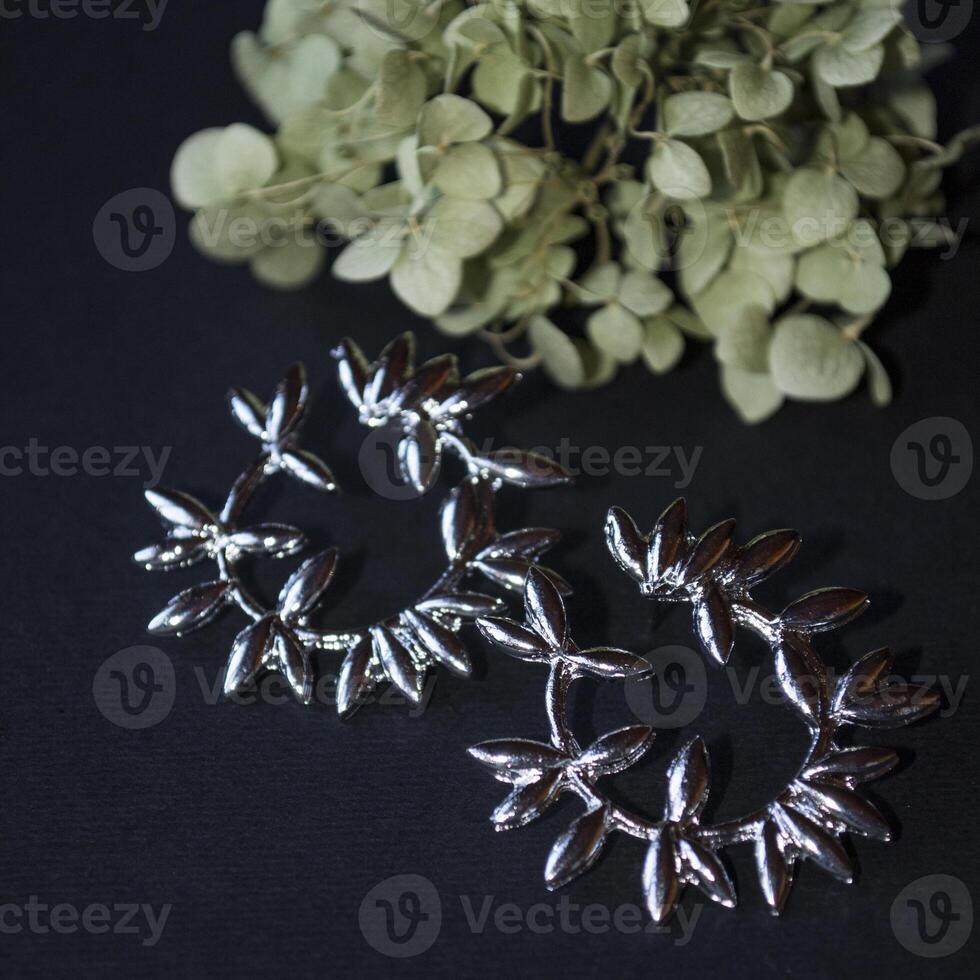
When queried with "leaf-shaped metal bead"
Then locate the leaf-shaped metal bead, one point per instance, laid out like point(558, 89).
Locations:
point(713, 623)
point(458, 520)
point(706, 871)
point(305, 586)
point(469, 605)
point(863, 676)
point(441, 642)
point(608, 662)
point(617, 750)
point(544, 609)
point(625, 543)
point(892, 707)
point(355, 681)
point(824, 609)
point(398, 357)
point(863, 764)
point(294, 662)
point(248, 412)
point(668, 540)
point(527, 802)
point(799, 678)
point(277, 540)
point(849, 808)
point(179, 509)
point(661, 882)
point(527, 543)
point(397, 662)
point(175, 552)
point(190, 609)
point(525, 469)
point(426, 382)
point(419, 456)
point(248, 654)
point(309, 469)
point(766, 554)
point(517, 640)
point(577, 849)
point(477, 389)
point(708, 550)
point(774, 872)
point(352, 370)
point(814, 843)
point(288, 403)
point(687, 782)
point(517, 755)
point(508, 572)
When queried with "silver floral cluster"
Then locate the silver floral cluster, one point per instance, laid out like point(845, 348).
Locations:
point(427, 407)
point(806, 821)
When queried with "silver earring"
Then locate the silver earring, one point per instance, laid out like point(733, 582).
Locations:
point(804, 822)
point(426, 407)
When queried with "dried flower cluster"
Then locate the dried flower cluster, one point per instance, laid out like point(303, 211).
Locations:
point(426, 407)
point(804, 822)
point(771, 160)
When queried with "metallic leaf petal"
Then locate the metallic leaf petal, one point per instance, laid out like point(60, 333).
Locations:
point(766, 554)
point(824, 609)
point(309, 468)
point(862, 764)
point(175, 552)
point(774, 871)
point(425, 383)
point(517, 755)
point(352, 369)
point(687, 782)
point(294, 662)
point(419, 456)
point(459, 519)
point(477, 389)
point(305, 586)
point(707, 872)
point(713, 622)
point(277, 540)
point(288, 403)
point(469, 605)
point(397, 662)
point(511, 573)
point(248, 411)
point(355, 680)
point(863, 676)
point(544, 609)
point(625, 543)
point(528, 543)
point(440, 641)
point(577, 849)
point(849, 808)
point(180, 509)
point(516, 640)
point(524, 469)
point(661, 883)
point(617, 750)
point(801, 676)
point(608, 662)
point(190, 610)
point(527, 802)
point(814, 843)
point(668, 540)
point(398, 358)
point(708, 550)
point(247, 655)
point(892, 707)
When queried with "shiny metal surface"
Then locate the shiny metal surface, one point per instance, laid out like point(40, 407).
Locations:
point(426, 406)
point(805, 821)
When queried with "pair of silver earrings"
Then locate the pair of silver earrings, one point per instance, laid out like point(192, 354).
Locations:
point(426, 406)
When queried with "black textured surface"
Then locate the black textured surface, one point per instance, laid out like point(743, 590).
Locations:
point(264, 827)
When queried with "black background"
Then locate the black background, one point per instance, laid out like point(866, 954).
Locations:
point(264, 827)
